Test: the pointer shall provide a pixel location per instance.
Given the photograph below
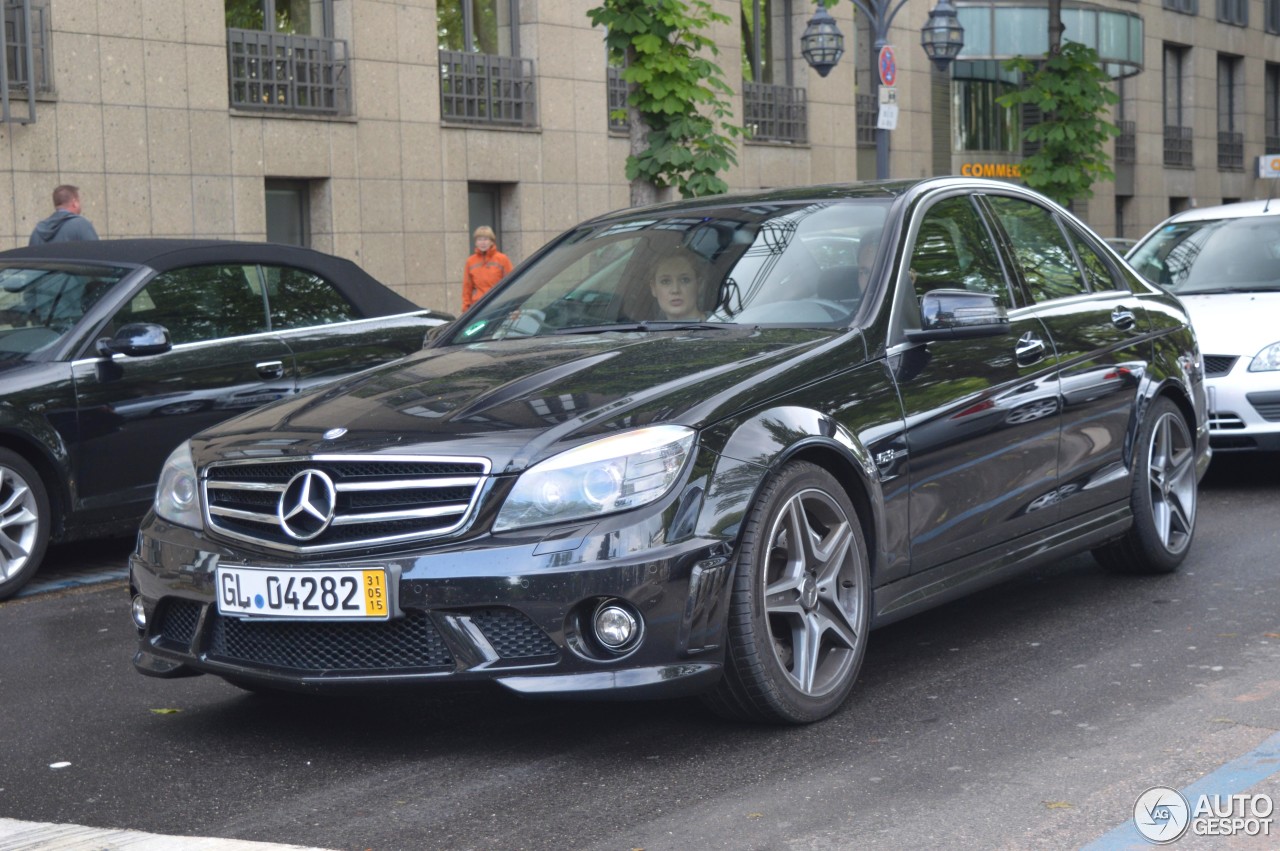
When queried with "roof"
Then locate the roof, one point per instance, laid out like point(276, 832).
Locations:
point(1238, 210)
point(371, 296)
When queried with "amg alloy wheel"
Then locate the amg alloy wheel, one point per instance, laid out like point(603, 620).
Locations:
point(1163, 497)
point(800, 607)
point(24, 522)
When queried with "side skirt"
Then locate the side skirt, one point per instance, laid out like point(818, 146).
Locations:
point(956, 579)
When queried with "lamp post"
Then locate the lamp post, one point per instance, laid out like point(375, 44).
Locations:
point(942, 38)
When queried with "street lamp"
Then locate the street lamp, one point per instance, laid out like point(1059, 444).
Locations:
point(822, 44)
point(880, 15)
point(942, 37)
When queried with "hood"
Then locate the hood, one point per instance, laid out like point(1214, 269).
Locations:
point(1240, 324)
point(517, 401)
point(47, 229)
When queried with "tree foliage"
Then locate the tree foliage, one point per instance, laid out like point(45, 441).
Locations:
point(677, 97)
point(1073, 93)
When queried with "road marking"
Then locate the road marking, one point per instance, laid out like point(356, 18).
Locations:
point(1233, 778)
point(31, 835)
point(91, 576)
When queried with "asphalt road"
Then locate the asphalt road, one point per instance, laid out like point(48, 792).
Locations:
point(1029, 716)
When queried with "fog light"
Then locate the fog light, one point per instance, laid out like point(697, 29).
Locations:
point(139, 612)
point(615, 626)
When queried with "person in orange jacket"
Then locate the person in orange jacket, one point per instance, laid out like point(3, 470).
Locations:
point(484, 268)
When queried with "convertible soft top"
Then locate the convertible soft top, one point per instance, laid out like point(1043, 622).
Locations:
point(372, 297)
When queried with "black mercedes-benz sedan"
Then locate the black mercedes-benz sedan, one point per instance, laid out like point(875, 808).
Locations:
point(114, 352)
point(699, 448)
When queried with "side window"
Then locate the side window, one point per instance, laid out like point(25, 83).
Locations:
point(1096, 270)
point(302, 299)
point(200, 303)
point(1040, 249)
point(954, 250)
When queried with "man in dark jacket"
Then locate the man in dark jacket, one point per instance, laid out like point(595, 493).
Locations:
point(66, 223)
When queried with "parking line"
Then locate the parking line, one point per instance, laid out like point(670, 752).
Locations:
point(1233, 778)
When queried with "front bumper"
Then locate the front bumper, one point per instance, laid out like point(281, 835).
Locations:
point(512, 610)
point(1244, 410)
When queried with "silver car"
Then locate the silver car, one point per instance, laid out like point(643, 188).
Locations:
point(1224, 264)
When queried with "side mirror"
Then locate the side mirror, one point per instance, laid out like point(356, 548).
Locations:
point(436, 333)
point(959, 315)
point(136, 340)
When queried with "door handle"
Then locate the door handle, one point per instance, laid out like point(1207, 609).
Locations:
point(270, 369)
point(1030, 349)
point(1123, 318)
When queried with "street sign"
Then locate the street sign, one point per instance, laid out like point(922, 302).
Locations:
point(888, 118)
point(888, 66)
point(1269, 165)
point(888, 95)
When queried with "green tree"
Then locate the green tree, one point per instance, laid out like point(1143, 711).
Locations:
point(677, 103)
point(1074, 94)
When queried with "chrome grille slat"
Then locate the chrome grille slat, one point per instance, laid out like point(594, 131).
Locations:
point(385, 516)
point(378, 499)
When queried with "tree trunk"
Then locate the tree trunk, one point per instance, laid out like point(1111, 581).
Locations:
point(643, 193)
point(1056, 27)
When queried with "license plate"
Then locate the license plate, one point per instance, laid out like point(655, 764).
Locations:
point(303, 594)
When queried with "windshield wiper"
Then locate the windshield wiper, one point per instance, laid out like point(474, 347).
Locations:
point(653, 325)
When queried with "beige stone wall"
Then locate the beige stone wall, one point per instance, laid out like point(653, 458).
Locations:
point(140, 120)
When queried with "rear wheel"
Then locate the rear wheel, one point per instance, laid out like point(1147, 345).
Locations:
point(1163, 497)
point(800, 603)
point(24, 522)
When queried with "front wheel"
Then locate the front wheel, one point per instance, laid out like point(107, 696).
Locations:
point(800, 604)
point(24, 522)
point(1163, 498)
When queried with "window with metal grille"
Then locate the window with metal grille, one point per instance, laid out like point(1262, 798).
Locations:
point(868, 115)
point(775, 113)
point(774, 109)
point(479, 88)
point(1234, 12)
point(1127, 142)
point(26, 59)
point(617, 101)
point(1271, 107)
point(1177, 135)
point(278, 72)
point(1230, 135)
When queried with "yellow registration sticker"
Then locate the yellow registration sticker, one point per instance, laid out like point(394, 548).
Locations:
point(375, 593)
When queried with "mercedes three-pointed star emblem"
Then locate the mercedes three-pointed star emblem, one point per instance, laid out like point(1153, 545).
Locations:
point(306, 506)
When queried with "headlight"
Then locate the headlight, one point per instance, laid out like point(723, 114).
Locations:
point(177, 494)
point(1266, 360)
point(615, 473)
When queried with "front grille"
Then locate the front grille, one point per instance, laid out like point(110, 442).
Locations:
point(1266, 404)
point(408, 644)
point(175, 622)
point(376, 500)
point(1215, 365)
point(512, 634)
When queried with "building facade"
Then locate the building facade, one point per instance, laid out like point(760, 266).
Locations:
point(1199, 86)
point(386, 130)
point(379, 131)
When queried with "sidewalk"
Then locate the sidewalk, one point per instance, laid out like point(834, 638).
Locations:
point(39, 836)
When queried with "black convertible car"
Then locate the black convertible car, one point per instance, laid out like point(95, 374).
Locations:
point(703, 448)
point(113, 352)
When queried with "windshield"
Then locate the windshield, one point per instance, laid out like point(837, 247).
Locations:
point(765, 264)
point(39, 304)
point(1221, 255)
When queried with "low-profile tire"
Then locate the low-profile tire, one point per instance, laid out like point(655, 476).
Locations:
point(799, 608)
point(24, 522)
point(1163, 497)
